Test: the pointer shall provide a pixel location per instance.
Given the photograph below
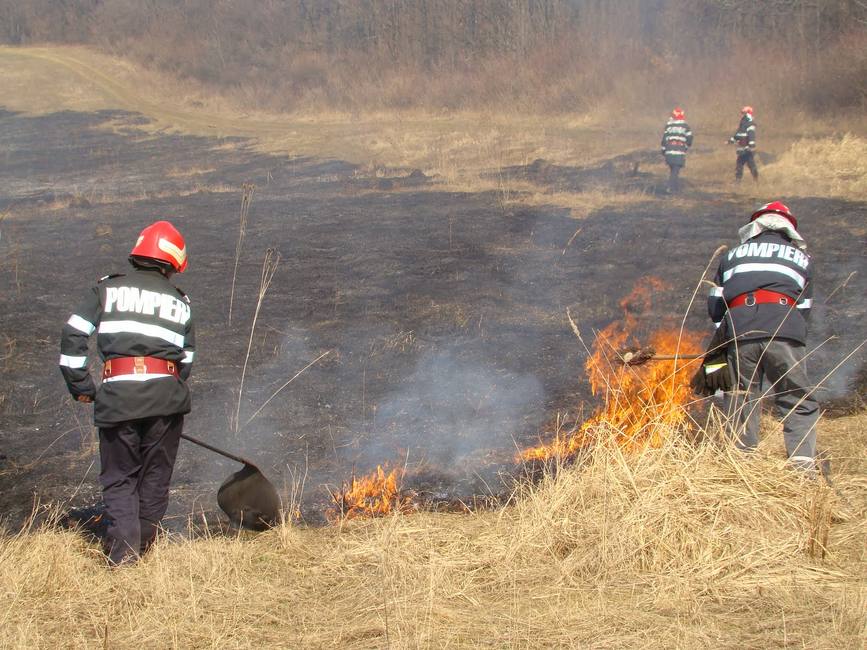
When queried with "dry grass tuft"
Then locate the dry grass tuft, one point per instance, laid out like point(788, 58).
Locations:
point(188, 172)
point(687, 546)
point(84, 200)
point(834, 166)
point(705, 521)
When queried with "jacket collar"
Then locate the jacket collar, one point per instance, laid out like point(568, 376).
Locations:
point(772, 222)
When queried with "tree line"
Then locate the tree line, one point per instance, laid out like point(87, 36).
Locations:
point(550, 54)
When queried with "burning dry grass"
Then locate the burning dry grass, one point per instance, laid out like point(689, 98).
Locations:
point(685, 546)
point(370, 496)
point(643, 404)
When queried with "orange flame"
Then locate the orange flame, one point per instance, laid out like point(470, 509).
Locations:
point(643, 404)
point(373, 495)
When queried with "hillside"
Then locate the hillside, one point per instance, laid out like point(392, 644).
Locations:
point(544, 56)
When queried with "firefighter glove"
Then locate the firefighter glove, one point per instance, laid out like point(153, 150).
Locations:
point(715, 374)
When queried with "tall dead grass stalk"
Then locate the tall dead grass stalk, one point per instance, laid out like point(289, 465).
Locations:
point(289, 381)
point(247, 190)
point(269, 268)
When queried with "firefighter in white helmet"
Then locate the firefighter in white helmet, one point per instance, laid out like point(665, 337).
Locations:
point(145, 339)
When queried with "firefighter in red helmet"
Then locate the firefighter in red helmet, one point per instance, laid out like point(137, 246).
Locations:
point(762, 304)
point(745, 139)
point(145, 339)
point(676, 141)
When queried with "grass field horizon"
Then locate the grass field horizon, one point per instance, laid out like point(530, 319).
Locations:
point(465, 150)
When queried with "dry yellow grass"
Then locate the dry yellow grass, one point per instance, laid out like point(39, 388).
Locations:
point(96, 196)
point(685, 546)
point(822, 167)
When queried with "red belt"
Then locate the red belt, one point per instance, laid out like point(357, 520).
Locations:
point(761, 297)
point(139, 366)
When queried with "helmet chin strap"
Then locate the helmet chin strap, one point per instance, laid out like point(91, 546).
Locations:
point(140, 262)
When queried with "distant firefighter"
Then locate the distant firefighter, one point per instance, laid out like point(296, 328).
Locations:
point(144, 336)
point(745, 139)
point(676, 141)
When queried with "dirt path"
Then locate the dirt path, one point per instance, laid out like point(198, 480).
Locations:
point(458, 148)
point(120, 95)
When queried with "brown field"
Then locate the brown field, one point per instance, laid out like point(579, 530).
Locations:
point(689, 545)
point(460, 148)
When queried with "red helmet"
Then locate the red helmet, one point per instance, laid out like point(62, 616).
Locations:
point(678, 113)
point(776, 207)
point(161, 241)
point(747, 110)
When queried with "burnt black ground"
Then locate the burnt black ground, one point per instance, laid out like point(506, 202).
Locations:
point(445, 311)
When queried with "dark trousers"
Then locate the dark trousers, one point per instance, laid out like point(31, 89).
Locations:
point(782, 364)
point(746, 158)
point(674, 178)
point(137, 459)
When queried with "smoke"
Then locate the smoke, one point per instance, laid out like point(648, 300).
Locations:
point(279, 355)
point(836, 362)
point(450, 408)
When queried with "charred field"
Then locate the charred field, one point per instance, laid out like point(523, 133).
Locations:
point(443, 311)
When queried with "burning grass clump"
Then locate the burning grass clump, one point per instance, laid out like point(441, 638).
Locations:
point(642, 405)
point(375, 495)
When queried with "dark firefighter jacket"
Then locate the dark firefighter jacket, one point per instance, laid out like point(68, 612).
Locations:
point(745, 136)
point(768, 261)
point(676, 139)
point(139, 314)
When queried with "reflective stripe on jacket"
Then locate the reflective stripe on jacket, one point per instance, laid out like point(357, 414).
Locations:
point(136, 315)
point(676, 140)
point(768, 261)
point(745, 136)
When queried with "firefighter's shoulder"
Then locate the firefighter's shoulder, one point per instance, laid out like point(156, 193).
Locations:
point(182, 294)
point(110, 276)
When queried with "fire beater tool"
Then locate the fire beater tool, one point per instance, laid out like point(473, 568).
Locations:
point(639, 356)
point(247, 497)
